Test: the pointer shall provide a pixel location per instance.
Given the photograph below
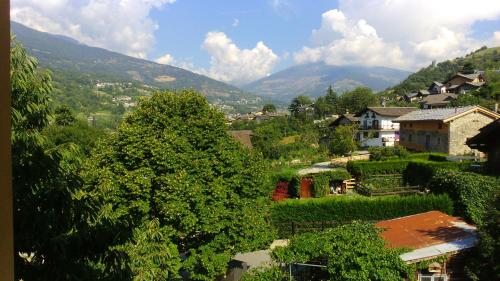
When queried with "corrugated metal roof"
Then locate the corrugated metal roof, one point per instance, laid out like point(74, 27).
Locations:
point(439, 249)
point(434, 114)
point(424, 230)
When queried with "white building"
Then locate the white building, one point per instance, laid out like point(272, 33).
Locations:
point(376, 127)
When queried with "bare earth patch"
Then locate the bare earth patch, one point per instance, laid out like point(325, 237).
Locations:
point(164, 78)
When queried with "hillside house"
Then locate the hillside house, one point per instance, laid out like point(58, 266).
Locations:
point(344, 119)
point(444, 129)
point(488, 141)
point(431, 235)
point(476, 78)
point(376, 127)
point(437, 101)
point(437, 88)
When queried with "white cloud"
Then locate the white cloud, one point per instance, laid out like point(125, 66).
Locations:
point(118, 25)
point(229, 63)
point(496, 38)
point(341, 41)
point(236, 23)
point(401, 33)
point(165, 59)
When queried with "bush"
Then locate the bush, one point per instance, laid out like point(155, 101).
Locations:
point(420, 172)
point(431, 156)
point(322, 181)
point(471, 192)
point(364, 169)
point(386, 153)
point(343, 209)
point(273, 273)
point(294, 187)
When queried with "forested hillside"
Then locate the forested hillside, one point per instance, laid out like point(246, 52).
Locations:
point(482, 59)
point(100, 83)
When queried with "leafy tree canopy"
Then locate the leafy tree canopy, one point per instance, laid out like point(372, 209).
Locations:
point(173, 160)
point(269, 108)
point(352, 252)
point(344, 140)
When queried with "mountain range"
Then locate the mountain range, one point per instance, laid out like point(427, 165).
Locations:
point(313, 80)
point(74, 63)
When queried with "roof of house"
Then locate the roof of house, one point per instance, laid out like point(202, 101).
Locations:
point(388, 111)
point(444, 114)
point(243, 136)
point(411, 95)
point(437, 83)
point(443, 98)
point(487, 134)
point(424, 92)
point(429, 234)
point(348, 116)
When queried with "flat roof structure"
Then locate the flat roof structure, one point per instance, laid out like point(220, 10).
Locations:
point(429, 234)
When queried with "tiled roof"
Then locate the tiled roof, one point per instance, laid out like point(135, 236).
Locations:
point(424, 230)
point(471, 76)
point(442, 114)
point(424, 92)
point(439, 98)
point(411, 95)
point(438, 83)
point(389, 111)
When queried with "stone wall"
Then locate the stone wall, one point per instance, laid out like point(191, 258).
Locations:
point(466, 127)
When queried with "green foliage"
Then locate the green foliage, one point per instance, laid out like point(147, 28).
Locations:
point(385, 153)
point(343, 140)
point(297, 105)
point(294, 187)
point(352, 252)
point(151, 253)
point(51, 212)
point(269, 108)
point(273, 273)
point(485, 260)
point(321, 181)
point(420, 172)
point(431, 156)
point(344, 209)
point(173, 160)
point(471, 192)
point(357, 100)
point(468, 68)
point(64, 115)
point(78, 133)
point(364, 169)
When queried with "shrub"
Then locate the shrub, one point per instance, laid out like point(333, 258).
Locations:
point(273, 273)
point(350, 252)
point(342, 209)
point(385, 153)
point(420, 172)
point(471, 192)
point(364, 169)
point(321, 181)
point(294, 187)
point(432, 156)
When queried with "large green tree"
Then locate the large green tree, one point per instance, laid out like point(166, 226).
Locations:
point(343, 140)
point(299, 105)
point(357, 100)
point(51, 212)
point(173, 160)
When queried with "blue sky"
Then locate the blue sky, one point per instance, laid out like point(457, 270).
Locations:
point(241, 41)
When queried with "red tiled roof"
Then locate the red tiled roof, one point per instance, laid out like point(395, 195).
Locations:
point(424, 230)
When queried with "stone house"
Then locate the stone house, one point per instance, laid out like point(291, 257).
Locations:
point(376, 127)
point(488, 141)
point(443, 130)
point(344, 119)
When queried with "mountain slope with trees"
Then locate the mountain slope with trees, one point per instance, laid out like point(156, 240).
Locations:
point(78, 68)
point(313, 80)
point(482, 59)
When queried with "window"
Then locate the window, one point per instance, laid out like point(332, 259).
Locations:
point(376, 135)
point(411, 125)
point(438, 141)
point(409, 137)
point(373, 115)
point(365, 135)
point(440, 126)
point(367, 115)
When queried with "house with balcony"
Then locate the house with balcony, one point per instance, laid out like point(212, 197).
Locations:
point(376, 127)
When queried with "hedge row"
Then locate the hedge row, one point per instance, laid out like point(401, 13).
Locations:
point(387, 153)
point(431, 156)
point(321, 181)
point(344, 209)
point(471, 192)
point(364, 169)
point(419, 172)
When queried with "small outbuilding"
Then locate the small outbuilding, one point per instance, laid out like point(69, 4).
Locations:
point(434, 237)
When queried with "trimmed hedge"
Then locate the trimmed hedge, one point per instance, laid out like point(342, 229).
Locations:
point(420, 172)
point(364, 169)
point(343, 209)
point(387, 153)
point(321, 181)
point(431, 156)
point(471, 192)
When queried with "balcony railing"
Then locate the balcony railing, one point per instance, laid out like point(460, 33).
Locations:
point(377, 127)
